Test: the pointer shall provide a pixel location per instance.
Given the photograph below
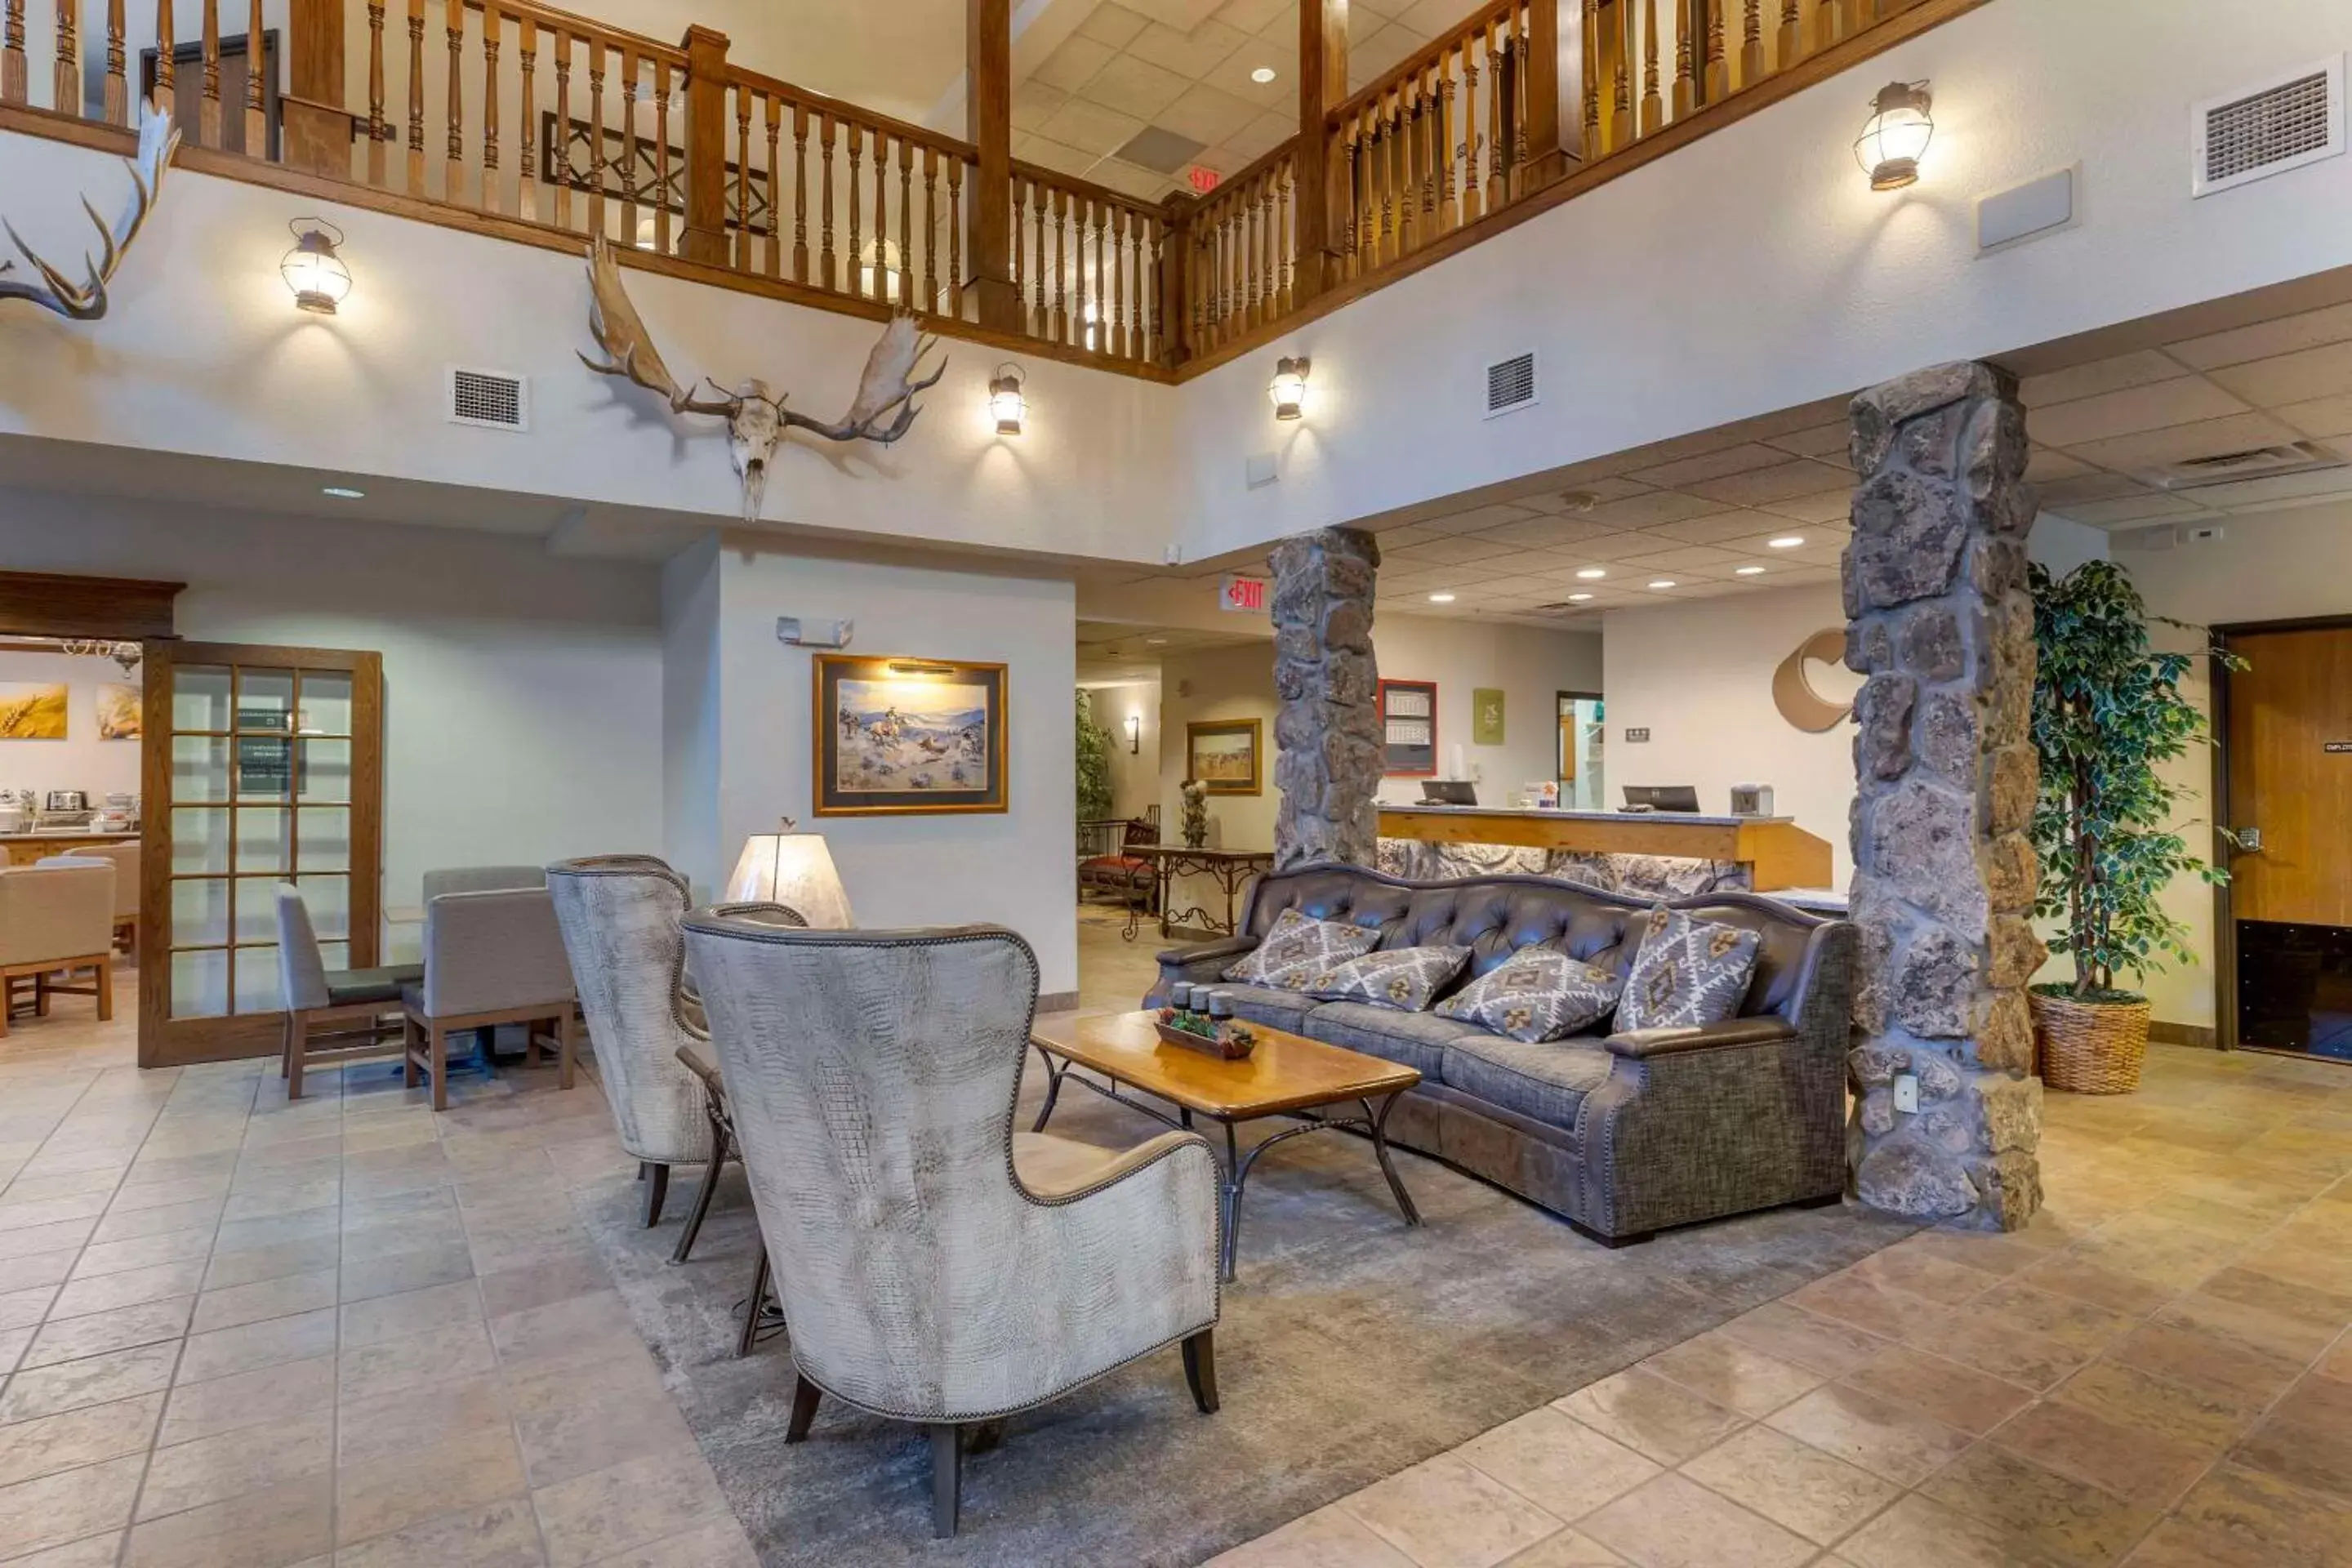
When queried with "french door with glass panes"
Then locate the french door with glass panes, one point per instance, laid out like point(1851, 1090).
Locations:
point(262, 765)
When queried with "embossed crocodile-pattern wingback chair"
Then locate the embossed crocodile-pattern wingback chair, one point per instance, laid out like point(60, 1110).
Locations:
point(933, 1266)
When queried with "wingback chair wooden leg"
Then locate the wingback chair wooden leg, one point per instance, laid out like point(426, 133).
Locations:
point(805, 1398)
point(297, 1031)
point(106, 988)
point(410, 1040)
point(657, 1189)
point(1201, 1370)
point(439, 1052)
point(947, 1477)
point(566, 1046)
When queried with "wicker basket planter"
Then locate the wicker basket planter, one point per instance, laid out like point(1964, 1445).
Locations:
point(2090, 1047)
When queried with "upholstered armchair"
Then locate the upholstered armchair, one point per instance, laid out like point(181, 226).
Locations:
point(490, 958)
point(358, 999)
point(481, 879)
point(55, 920)
point(932, 1269)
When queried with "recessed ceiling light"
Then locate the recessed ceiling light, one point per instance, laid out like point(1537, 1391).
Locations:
point(1786, 542)
point(1593, 574)
point(1579, 598)
point(1746, 571)
point(1441, 598)
point(341, 492)
point(1263, 74)
point(1663, 583)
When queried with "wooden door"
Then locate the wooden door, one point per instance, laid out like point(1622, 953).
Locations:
point(2290, 759)
point(263, 765)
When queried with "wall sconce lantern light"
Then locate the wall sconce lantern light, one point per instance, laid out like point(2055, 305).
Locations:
point(1135, 734)
point(312, 269)
point(1896, 135)
point(1287, 390)
point(1004, 399)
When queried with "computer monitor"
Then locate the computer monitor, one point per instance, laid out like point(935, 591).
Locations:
point(1662, 798)
point(1448, 792)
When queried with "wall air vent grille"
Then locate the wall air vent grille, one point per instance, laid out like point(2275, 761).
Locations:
point(491, 399)
point(2268, 130)
point(1510, 384)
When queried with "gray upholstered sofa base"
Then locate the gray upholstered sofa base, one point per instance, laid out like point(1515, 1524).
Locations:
point(1621, 1135)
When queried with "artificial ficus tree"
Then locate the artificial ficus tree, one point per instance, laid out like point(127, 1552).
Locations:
point(1094, 763)
point(2108, 712)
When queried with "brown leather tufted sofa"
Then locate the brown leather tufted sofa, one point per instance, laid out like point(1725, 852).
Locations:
point(1623, 1134)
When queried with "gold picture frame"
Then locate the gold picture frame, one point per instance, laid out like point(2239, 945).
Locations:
point(1230, 769)
point(905, 736)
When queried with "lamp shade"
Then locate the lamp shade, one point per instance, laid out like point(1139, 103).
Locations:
point(794, 869)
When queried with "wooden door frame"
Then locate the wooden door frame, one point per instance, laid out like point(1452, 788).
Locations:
point(260, 1033)
point(2225, 921)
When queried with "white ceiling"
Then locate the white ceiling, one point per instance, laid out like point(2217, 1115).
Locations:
point(1112, 651)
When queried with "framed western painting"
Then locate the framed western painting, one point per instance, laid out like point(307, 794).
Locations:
point(1223, 755)
point(907, 735)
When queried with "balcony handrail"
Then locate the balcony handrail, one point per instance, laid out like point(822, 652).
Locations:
point(1430, 54)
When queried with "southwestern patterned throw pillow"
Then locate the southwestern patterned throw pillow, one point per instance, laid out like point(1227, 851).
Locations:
point(1401, 977)
point(1686, 972)
point(1536, 995)
point(1298, 948)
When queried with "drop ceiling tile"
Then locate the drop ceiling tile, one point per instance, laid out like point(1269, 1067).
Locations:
point(1779, 482)
point(1689, 558)
point(1113, 25)
point(1696, 443)
point(1256, 15)
point(1828, 442)
point(1544, 532)
point(1608, 547)
point(1034, 103)
point(1825, 506)
point(1135, 85)
point(2183, 400)
point(1090, 127)
point(2089, 486)
point(2292, 378)
point(1261, 136)
point(1650, 509)
point(1072, 65)
point(1477, 519)
point(2048, 463)
point(1759, 547)
point(1061, 158)
point(1710, 529)
point(1452, 551)
point(2319, 416)
point(1192, 54)
point(1279, 56)
point(1206, 115)
point(2207, 439)
point(2286, 487)
point(1130, 179)
point(1427, 18)
point(1685, 471)
point(1411, 533)
point(2118, 374)
point(2264, 340)
point(2130, 509)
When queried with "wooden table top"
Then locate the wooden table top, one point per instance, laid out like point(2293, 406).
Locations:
point(1286, 1072)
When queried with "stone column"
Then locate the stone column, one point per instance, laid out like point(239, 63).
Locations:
point(1327, 732)
point(1939, 619)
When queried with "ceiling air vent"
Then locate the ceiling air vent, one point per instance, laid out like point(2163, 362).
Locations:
point(1510, 384)
point(2230, 468)
point(490, 398)
point(2283, 125)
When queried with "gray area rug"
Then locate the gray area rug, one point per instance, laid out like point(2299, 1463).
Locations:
point(1351, 1348)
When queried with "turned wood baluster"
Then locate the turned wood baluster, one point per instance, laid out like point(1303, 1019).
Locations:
point(882, 214)
point(527, 157)
point(257, 119)
point(1408, 192)
point(955, 235)
point(772, 111)
point(1654, 107)
point(1718, 68)
point(1037, 205)
point(830, 276)
point(559, 148)
point(1015, 262)
point(1498, 129)
point(117, 100)
point(743, 258)
point(1432, 151)
point(1751, 44)
point(12, 52)
point(1082, 210)
point(415, 98)
point(1515, 23)
point(857, 220)
point(1621, 129)
point(209, 104)
point(905, 224)
point(452, 168)
point(1449, 204)
point(1114, 282)
point(68, 77)
point(493, 188)
point(1790, 46)
point(1061, 266)
point(1591, 21)
point(1829, 25)
point(930, 227)
point(662, 214)
point(1685, 69)
point(625, 161)
point(167, 72)
point(1286, 209)
point(800, 192)
point(596, 155)
point(378, 128)
point(1102, 281)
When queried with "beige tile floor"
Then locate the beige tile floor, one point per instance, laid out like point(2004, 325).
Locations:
point(241, 1333)
point(2158, 1372)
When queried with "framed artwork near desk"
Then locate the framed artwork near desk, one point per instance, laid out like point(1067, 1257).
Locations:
point(908, 736)
point(1409, 729)
point(1226, 756)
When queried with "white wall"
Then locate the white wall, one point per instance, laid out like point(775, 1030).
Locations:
point(1235, 682)
point(1134, 774)
point(1531, 666)
point(522, 693)
point(81, 761)
point(1755, 270)
point(690, 719)
point(1017, 868)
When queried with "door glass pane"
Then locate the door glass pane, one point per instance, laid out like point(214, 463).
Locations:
point(326, 770)
point(199, 768)
point(257, 981)
point(199, 985)
point(262, 837)
point(200, 697)
point(263, 767)
point(329, 898)
point(257, 911)
point(199, 911)
point(200, 839)
point(324, 843)
point(326, 703)
point(264, 700)
point(334, 956)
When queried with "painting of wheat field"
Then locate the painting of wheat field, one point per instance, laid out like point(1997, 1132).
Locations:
point(32, 710)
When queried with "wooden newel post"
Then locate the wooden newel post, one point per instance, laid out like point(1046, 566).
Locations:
point(704, 238)
point(988, 126)
point(1546, 121)
point(1322, 195)
point(317, 129)
point(1175, 272)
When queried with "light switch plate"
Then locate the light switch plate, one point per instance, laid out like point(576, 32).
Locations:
point(1258, 469)
point(1907, 1093)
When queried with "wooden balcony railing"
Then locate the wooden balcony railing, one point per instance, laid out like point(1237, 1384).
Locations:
point(537, 124)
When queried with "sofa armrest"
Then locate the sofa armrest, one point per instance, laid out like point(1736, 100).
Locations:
point(1195, 963)
point(1644, 1043)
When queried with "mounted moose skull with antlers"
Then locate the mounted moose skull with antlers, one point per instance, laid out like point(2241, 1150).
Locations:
point(86, 301)
point(756, 418)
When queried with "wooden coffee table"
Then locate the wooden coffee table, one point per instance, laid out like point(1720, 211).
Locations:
point(1286, 1075)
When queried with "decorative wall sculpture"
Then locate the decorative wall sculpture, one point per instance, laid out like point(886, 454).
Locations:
point(86, 300)
point(1792, 691)
point(882, 411)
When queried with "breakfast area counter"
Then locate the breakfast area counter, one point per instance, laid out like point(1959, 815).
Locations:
point(1665, 853)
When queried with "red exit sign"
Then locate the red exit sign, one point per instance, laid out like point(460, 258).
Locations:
point(1202, 179)
point(1240, 593)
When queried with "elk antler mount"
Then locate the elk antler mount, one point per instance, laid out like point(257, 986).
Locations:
point(883, 410)
point(86, 300)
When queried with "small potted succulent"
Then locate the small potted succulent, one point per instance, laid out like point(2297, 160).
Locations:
point(2107, 713)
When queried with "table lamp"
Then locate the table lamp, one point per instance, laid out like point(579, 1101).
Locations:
point(795, 870)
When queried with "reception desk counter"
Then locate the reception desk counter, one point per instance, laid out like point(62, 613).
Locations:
point(1648, 852)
